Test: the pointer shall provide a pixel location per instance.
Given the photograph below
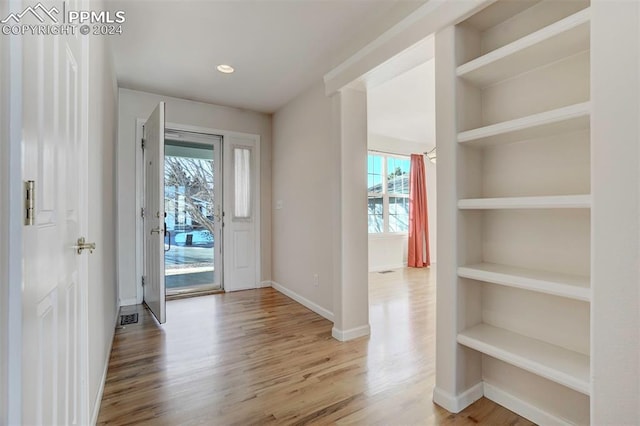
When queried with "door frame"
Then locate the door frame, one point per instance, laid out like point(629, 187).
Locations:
point(11, 190)
point(214, 143)
point(139, 182)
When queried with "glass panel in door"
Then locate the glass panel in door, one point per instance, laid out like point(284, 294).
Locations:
point(191, 212)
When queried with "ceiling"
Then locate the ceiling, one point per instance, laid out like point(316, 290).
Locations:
point(278, 47)
point(404, 107)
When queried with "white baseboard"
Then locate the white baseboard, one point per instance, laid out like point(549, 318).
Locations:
point(353, 333)
point(303, 301)
point(455, 404)
point(95, 411)
point(387, 267)
point(129, 302)
point(518, 406)
point(264, 284)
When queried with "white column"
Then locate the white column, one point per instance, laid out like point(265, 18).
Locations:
point(351, 287)
point(458, 370)
point(446, 299)
point(615, 215)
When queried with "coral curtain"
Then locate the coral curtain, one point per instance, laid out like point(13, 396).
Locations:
point(418, 217)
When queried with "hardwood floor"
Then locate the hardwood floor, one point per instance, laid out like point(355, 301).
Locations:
point(257, 357)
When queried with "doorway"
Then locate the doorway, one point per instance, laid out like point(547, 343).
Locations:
point(193, 213)
point(235, 212)
point(400, 122)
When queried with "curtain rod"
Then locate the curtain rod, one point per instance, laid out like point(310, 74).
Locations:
point(390, 153)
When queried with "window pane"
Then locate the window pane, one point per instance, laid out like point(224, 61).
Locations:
point(242, 182)
point(398, 214)
point(376, 218)
point(374, 173)
point(398, 175)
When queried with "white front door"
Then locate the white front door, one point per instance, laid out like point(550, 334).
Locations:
point(154, 214)
point(241, 213)
point(54, 383)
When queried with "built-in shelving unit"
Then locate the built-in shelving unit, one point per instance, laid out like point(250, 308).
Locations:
point(520, 161)
point(558, 284)
point(564, 38)
point(544, 124)
point(552, 362)
point(549, 202)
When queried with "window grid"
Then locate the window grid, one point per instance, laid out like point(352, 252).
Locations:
point(388, 191)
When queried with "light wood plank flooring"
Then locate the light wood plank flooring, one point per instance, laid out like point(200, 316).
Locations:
point(256, 357)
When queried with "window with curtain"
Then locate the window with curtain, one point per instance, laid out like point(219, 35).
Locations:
point(388, 190)
point(242, 183)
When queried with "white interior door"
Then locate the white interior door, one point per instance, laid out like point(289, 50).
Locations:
point(54, 376)
point(154, 217)
point(241, 213)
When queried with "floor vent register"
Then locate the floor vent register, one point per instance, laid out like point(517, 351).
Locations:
point(128, 319)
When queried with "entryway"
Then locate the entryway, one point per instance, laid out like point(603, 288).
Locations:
point(193, 213)
point(194, 196)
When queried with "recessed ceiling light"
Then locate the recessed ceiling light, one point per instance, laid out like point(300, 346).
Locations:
point(227, 69)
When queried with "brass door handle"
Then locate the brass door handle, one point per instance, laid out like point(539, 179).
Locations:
point(83, 245)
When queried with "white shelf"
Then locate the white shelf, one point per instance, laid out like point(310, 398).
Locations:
point(548, 123)
point(564, 285)
point(568, 368)
point(546, 202)
point(557, 41)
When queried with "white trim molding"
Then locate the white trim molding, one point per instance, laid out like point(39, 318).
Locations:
point(325, 313)
point(11, 224)
point(518, 406)
point(265, 284)
point(95, 409)
point(350, 334)
point(455, 404)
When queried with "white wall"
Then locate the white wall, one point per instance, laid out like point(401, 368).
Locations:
point(304, 178)
point(134, 105)
point(615, 271)
point(102, 289)
point(387, 251)
point(319, 221)
point(384, 250)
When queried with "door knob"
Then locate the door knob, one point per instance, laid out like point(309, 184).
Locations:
point(83, 245)
point(157, 230)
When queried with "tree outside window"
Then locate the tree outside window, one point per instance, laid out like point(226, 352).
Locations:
point(189, 193)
